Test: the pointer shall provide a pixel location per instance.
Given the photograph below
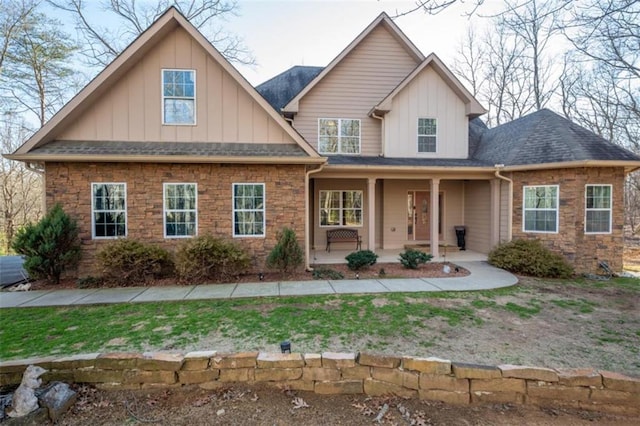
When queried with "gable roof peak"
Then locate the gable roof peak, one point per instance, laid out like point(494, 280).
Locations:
point(381, 19)
point(171, 19)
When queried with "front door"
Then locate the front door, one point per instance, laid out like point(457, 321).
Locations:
point(419, 215)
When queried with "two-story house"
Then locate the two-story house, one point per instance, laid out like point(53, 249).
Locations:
point(170, 141)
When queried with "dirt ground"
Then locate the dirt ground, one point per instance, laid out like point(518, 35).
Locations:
point(261, 405)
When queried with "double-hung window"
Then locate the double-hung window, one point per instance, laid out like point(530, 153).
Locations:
point(597, 209)
point(180, 210)
point(340, 208)
point(248, 210)
point(427, 134)
point(338, 136)
point(178, 97)
point(540, 208)
point(109, 210)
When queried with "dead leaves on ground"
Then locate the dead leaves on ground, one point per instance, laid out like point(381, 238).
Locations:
point(386, 410)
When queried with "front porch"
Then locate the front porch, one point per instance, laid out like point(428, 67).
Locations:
point(453, 254)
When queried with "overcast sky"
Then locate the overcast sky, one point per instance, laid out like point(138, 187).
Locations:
point(285, 33)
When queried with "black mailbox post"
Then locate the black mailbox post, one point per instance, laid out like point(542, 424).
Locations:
point(460, 233)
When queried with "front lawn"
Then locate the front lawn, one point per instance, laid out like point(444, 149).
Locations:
point(555, 323)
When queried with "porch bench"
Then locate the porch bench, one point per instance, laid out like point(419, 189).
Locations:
point(343, 235)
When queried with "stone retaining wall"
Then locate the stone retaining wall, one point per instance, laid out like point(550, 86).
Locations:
point(348, 373)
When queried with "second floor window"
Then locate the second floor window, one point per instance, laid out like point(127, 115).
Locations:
point(338, 136)
point(178, 97)
point(427, 134)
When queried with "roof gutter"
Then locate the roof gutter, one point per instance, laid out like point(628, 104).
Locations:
point(499, 167)
point(114, 158)
point(307, 219)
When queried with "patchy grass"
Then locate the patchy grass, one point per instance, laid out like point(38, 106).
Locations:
point(584, 323)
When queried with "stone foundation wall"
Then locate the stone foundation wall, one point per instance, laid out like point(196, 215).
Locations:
point(348, 373)
point(70, 185)
point(583, 251)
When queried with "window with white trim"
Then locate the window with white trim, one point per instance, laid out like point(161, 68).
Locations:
point(109, 210)
point(597, 216)
point(180, 210)
point(427, 134)
point(338, 136)
point(340, 208)
point(248, 210)
point(540, 208)
point(178, 97)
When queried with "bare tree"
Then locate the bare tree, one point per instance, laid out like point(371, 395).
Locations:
point(433, 7)
point(21, 198)
point(101, 43)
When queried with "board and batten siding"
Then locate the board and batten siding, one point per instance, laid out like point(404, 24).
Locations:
point(477, 214)
point(131, 110)
point(354, 86)
point(427, 96)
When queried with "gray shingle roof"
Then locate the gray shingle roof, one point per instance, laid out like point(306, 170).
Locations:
point(357, 160)
point(545, 137)
point(171, 148)
point(279, 90)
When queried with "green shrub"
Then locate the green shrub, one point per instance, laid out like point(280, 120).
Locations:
point(287, 255)
point(361, 259)
point(412, 258)
point(530, 257)
point(206, 258)
point(130, 262)
point(50, 247)
point(327, 274)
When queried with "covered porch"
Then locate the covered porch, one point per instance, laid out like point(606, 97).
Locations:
point(396, 210)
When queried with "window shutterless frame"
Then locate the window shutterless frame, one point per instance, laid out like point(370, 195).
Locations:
point(180, 211)
point(179, 91)
point(341, 138)
point(108, 207)
point(249, 201)
point(427, 132)
point(540, 208)
point(598, 208)
point(342, 208)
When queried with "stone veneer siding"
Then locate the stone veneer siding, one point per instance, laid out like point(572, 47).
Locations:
point(584, 251)
point(347, 373)
point(70, 185)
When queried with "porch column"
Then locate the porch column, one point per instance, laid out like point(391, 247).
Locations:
point(495, 212)
point(371, 211)
point(433, 221)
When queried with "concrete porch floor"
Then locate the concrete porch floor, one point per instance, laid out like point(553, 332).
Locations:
point(322, 257)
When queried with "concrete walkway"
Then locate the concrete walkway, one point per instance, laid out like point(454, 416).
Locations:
point(482, 277)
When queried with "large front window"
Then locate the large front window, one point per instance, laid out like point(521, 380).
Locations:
point(178, 97)
point(338, 136)
point(248, 210)
point(180, 210)
point(597, 209)
point(340, 208)
point(540, 208)
point(427, 135)
point(109, 210)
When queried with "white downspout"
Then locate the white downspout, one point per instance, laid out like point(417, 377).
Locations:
point(382, 132)
point(510, 209)
point(307, 220)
